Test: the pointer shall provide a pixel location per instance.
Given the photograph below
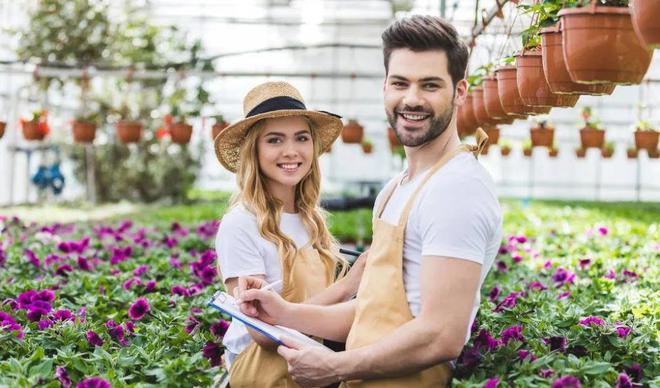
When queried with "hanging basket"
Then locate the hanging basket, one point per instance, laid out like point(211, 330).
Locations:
point(553, 152)
point(554, 67)
point(3, 125)
point(493, 103)
point(507, 88)
point(84, 131)
point(581, 152)
point(217, 127)
point(32, 131)
point(647, 140)
point(646, 21)
point(532, 85)
point(493, 135)
point(606, 153)
point(632, 153)
point(392, 139)
point(353, 132)
point(600, 45)
point(542, 136)
point(527, 152)
point(469, 120)
point(129, 131)
point(180, 133)
point(592, 137)
point(479, 108)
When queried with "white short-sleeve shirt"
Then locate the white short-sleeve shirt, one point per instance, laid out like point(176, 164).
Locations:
point(456, 214)
point(242, 251)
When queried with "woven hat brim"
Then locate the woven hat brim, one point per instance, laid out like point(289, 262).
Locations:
point(228, 142)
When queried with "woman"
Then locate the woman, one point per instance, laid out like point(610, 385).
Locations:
point(275, 229)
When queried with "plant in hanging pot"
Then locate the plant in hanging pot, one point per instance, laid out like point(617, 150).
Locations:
point(219, 123)
point(591, 136)
point(646, 22)
point(553, 151)
point(507, 88)
point(542, 135)
point(367, 146)
point(37, 127)
point(84, 127)
point(3, 125)
point(527, 148)
point(600, 44)
point(581, 152)
point(399, 151)
point(646, 137)
point(353, 132)
point(632, 152)
point(505, 147)
point(608, 150)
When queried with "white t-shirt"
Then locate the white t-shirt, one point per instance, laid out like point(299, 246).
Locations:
point(456, 214)
point(243, 251)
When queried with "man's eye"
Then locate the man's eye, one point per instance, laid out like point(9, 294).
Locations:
point(431, 86)
point(398, 84)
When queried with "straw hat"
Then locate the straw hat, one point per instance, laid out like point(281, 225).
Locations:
point(268, 100)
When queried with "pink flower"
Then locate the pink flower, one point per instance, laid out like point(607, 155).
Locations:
point(545, 373)
point(219, 328)
point(213, 352)
point(623, 381)
point(603, 231)
point(492, 382)
point(517, 258)
point(150, 286)
point(524, 354)
point(139, 309)
point(141, 270)
point(623, 331)
point(494, 293)
point(563, 276)
point(130, 282)
point(32, 258)
point(563, 295)
point(567, 382)
point(63, 376)
point(610, 274)
point(512, 333)
point(94, 339)
point(592, 321)
point(536, 285)
point(93, 382)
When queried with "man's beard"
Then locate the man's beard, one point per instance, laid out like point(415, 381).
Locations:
point(438, 125)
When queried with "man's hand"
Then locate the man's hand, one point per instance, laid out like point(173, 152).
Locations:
point(309, 366)
point(267, 306)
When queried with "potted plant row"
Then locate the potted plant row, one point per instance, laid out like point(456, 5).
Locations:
point(591, 135)
point(353, 132)
point(36, 128)
point(646, 137)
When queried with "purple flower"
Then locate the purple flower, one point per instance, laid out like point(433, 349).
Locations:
point(516, 258)
point(567, 382)
point(494, 293)
point(63, 269)
point(150, 286)
point(45, 295)
point(208, 229)
point(180, 290)
point(116, 332)
point(130, 282)
point(591, 321)
point(547, 372)
point(170, 242)
point(563, 276)
point(623, 331)
point(610, 274)
point(63, 315)
point(635, 371)
point(84, 264)
point(492, 382)
point(556, 343)
point(174, 262)
point(130, 326)
point(630, 275)
point(120, 254)
point(512, 333)
point(32, 258)
point(25, 298)
point(60, 373)
point(82, 314)
point(213, 352)
point(139, 309)
point(603, 231)
point(471, 357)
point(45, 324)
point(208, 275)
point(219, 328)
point(509, 301)
point(536, 285)
point(521, 239)
point(584, 263)
point(94, 339)
point(547, 264)
point(93, 382)
point(563, 295)
point(523, 354)
point(3, 257)
point(485, 340)
point(501, 266)
point(191, 324)
point(141, 270)
point(623, 381)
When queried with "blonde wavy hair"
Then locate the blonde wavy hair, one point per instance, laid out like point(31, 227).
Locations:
point(254, 195)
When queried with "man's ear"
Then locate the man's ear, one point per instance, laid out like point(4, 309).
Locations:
point(461, 92)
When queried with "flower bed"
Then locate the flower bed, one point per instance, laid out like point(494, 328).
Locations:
point(569, 301)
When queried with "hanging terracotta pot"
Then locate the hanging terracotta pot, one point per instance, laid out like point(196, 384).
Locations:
point(554, 67)
point(84, 131)
point(646, 21)
point(493, 135)
point(632, 153)
point(654, 154)
point(492, 101)
point(553, 152)
point(129, 131)
point(469, 118)
point(507, 88)
point(32, 130)
point(647, 140)
point(532, 85)
point(353, 132)
point(367, 147)
point(606, 153)
point(3, 125)
point(505, 151)
point(180, 133)
point(592, 137)
point(527, 152)
point(392, 139)
point(217, 127)
point(479, 108)
point(581, 152)
point(600, 45)
point(542, 136)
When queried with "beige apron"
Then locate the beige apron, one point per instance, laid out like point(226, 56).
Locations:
point(306, 276)
point(382, 306)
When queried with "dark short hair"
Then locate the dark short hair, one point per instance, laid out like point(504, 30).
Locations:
point(423, 33)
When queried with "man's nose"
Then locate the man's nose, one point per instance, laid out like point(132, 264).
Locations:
point(412, 97)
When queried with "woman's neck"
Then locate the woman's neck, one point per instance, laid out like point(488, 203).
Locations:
point(285, 194)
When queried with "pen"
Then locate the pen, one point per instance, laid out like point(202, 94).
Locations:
point(349, 252)
point(271, 285)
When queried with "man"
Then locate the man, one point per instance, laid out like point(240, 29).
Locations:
point(437, 230)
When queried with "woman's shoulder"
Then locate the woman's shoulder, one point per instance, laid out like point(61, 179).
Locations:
point(238, 218)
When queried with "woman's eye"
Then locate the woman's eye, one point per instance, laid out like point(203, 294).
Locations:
point(303, 138)
point(273, 140)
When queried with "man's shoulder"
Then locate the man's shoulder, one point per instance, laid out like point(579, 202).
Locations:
point(463, 171)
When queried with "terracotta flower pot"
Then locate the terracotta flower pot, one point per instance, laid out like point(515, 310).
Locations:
point(493, 135)
point(3, 125)
point(654, 154)
point(632, 153)
point(553, 152)
point(479, 107)
point(600, 45)
point(32, 131)
point(217, 127)
point(367, 148)
point(527, 152)
point(467, 110)
point(647, 140)
point(353, 132)
point(129, 131)
point(542, 137)
point(592, 137)
point(493, 104)
point(507, 88)
point(84, 132)
point(581, 152)
point(181, 133)
point(606, 153)
point(392, 139)
point(646, 21)
point(505, 151)
point(532, 85)
point(554, 67)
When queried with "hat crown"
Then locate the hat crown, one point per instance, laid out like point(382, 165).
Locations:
point(268, 90)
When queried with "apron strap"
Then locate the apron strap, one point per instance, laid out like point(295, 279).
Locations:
point(403, 218)
point(386, 198)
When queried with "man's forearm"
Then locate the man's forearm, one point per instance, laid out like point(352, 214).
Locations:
point(414, 346)
point(329, 322)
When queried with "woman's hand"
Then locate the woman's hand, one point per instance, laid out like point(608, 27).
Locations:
point(267, 306)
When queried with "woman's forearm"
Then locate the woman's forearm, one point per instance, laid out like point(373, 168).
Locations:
point(329, 322)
